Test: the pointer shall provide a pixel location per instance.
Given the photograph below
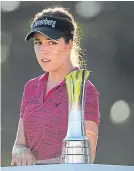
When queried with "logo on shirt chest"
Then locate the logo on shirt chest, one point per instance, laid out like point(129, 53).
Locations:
point(57, 104)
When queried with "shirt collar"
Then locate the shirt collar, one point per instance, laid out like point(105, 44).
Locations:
point(44, 77)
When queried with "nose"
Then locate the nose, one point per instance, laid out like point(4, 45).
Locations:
point(43, 47)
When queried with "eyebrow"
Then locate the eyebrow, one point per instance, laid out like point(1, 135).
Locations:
point(46, 39)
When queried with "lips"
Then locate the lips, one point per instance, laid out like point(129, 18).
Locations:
point(45, 60)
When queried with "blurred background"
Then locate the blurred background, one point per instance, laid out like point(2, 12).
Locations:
point(107, 38)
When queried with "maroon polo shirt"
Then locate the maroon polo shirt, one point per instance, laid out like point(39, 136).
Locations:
point(45, 120)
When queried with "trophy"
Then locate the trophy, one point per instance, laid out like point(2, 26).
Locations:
point(76, 145)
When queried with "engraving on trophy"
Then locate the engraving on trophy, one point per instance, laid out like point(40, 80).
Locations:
point(76, 145)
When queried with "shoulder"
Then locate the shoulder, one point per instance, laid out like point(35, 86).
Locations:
point(33, 84)
point(34, 81)
point(91, 88)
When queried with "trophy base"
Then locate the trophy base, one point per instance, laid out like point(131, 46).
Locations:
point(79, 159)
point(76, 151)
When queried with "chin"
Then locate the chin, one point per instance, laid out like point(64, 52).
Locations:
point(49, 69)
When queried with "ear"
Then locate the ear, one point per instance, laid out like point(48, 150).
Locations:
point(70, 45)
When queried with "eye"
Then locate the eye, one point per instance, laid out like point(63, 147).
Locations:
point(37, 42)
point(52, 42)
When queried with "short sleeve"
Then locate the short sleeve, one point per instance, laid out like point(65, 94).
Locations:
point(30, 93)
point(23, 102)
point(92, 111)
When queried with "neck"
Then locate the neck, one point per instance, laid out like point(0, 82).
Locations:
point(59, 75)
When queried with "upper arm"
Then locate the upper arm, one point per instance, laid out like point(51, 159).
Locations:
point(92, 112)
point(91, 129)
point(92, 116)
point(20, 138)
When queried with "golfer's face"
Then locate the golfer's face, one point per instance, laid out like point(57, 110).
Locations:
point(50, 53)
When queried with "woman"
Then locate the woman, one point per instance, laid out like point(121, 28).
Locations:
point(44, 107)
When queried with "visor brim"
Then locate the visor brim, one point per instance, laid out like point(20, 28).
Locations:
point(48, 32)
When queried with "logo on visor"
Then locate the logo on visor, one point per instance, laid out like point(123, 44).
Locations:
point(45, 23)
